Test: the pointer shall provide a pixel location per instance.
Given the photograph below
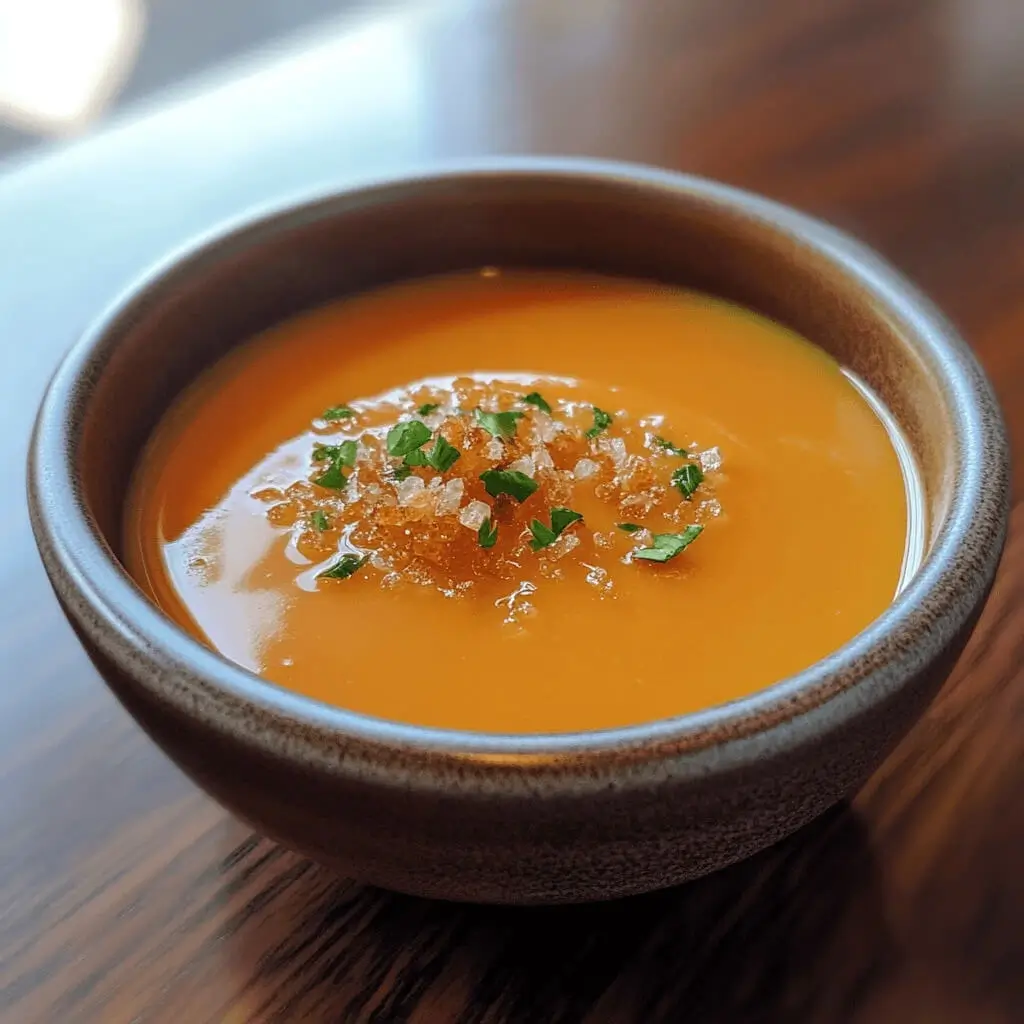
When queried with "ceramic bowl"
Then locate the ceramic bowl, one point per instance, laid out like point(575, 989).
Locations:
point(506, 818)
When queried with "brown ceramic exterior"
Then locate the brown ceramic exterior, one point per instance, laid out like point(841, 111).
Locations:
point(521, 819)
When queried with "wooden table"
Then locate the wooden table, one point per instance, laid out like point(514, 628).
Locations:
point(125, 895)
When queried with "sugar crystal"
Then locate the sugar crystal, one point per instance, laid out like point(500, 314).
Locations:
point(451, 498)
point(561, 547)
point(542, 458)
point(408, 489)
point(710, 460)
point(614, 448)
point(524, 466)
point(474, 514)
point(544, 429)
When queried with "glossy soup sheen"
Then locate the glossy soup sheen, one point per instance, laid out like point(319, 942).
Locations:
point(805, 523)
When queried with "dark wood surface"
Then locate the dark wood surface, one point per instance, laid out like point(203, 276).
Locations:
point(125, 895)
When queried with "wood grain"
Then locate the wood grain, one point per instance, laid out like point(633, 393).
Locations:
point(125, 895)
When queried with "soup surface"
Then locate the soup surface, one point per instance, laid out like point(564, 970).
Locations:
point(522, 502)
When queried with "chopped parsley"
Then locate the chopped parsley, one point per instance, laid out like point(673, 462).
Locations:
point(344, 453)
point(562, 518)
point(498, 424)
point(602, 421)
point(508, 481)
point(545, 536)
point(662, 442)
point(406, 437)
point(339, 456)
point(487, 535)
point(668, 545)
point(535, 398)
point(347, 452)
point(319, 521)
point(629, 527)
point(428, 408)
point(333, 477)
point(442, 456)
point(338, 412)
point(344, 567)
point(688, 478)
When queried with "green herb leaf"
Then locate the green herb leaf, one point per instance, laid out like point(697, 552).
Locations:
point(687, 478)
point(561, 519)
point(602, 421)
point(508, 481)
point(416, 458)
point(498, 424)
point(543, 536)
point(333, 477)
point(442, 456)
point(426, 410)
point(345, 453)
point(319, 521)
point(487, 535)
point(662, 442)
point(338, 412)
point(629, 527)
point(401, 472)
point(668, 545)
point(325, 452)
point(535, 398)
point(343, 567)
point(407, 437)
point(340, 455)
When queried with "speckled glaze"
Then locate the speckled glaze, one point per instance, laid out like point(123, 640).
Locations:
point(520, 819)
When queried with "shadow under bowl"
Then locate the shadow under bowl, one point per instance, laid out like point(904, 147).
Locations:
point(511, 818)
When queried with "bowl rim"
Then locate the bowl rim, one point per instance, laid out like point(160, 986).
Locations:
point(938, 601)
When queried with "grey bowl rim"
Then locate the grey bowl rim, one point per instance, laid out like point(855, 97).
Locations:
point(83, 569)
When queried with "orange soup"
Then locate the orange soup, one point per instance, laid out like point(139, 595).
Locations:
point(523, 502)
